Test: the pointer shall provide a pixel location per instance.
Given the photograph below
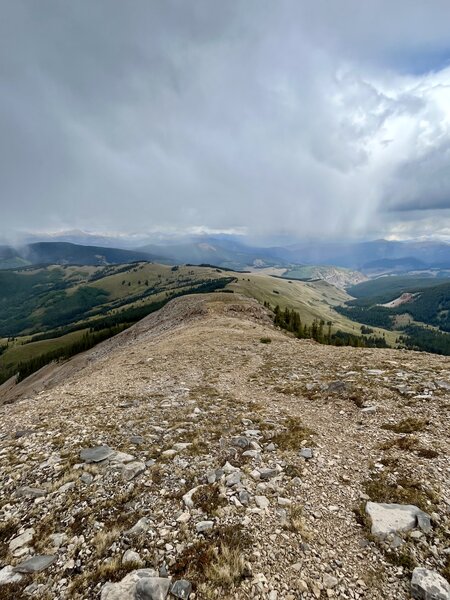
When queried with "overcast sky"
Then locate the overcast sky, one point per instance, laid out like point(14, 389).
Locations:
point(304, 117)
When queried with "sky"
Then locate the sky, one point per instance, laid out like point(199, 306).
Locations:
point(302, 118)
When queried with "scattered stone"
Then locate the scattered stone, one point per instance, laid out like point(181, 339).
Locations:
point(31, 492)
point(204, 526)
point(35, 564)
point(132, 469)
point(181, 589)
point(8, 575)
point(429, 585)
point(97, 454)
point(22, 540)
point(329, 582)
point(130, 556)
point(152, 588)
point(306, 453)
point(262, 502)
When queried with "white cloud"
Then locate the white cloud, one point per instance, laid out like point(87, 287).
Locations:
point(307, 118)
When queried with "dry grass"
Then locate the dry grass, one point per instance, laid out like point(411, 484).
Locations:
point(293, 436)
point(7, 530)
point(405, 490)
point(103, 540)
point(13, 591)
point(198, 448)
point(296, 522)
point(112, 570)
point(218, 561)
point(409, 444)
point(445, 571)
point(427, 453)
point(403, 443)
point(409, 425)
point(208, 499)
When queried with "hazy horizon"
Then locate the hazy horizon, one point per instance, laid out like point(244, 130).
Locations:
point(293, 120)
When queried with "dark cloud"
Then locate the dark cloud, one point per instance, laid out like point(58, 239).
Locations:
point(293, 116)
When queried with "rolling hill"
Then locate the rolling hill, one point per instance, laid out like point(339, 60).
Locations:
point(52, 308)
point(64, 253)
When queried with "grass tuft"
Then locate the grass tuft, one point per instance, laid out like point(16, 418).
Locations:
point(296, 432)
point(409, 425)
point(218, 561)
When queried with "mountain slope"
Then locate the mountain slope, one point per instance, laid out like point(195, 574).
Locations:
point(186, 392)
point(224, 253)
point(75, 254)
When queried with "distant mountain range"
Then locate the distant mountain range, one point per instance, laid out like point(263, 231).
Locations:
point(372, 258)
point(46, 253)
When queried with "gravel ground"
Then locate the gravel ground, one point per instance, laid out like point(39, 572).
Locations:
point(285, 440)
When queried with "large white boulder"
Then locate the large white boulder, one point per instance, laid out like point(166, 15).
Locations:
point(126, 588)
point(393, 518)
point(429, 585)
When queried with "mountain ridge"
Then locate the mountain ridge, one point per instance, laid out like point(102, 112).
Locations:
point(203, 437)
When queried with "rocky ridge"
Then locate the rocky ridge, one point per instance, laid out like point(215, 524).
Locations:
point(205, 454)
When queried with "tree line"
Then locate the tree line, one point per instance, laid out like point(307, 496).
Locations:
point(321, 332)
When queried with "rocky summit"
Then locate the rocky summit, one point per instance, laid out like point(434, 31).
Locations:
point(205, 454)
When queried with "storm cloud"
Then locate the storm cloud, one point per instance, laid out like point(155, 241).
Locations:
point(298, 117)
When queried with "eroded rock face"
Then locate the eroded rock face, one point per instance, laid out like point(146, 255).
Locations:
point(429, 585)
point(393, 518)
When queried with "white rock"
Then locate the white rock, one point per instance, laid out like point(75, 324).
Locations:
point(184, 517)
point(391, 518)
point(204, 526)
point(429, 585)
point(187, 498)
point(21, 540)
point(132, 469)
point(7, 575)
point(126, 588)
point(329, 582)
point(130, 556)
point(262, 502)
point(284, 501)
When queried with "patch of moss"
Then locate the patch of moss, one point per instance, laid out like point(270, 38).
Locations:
point(294, 434)
point(409, 425)
point(406, 490)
